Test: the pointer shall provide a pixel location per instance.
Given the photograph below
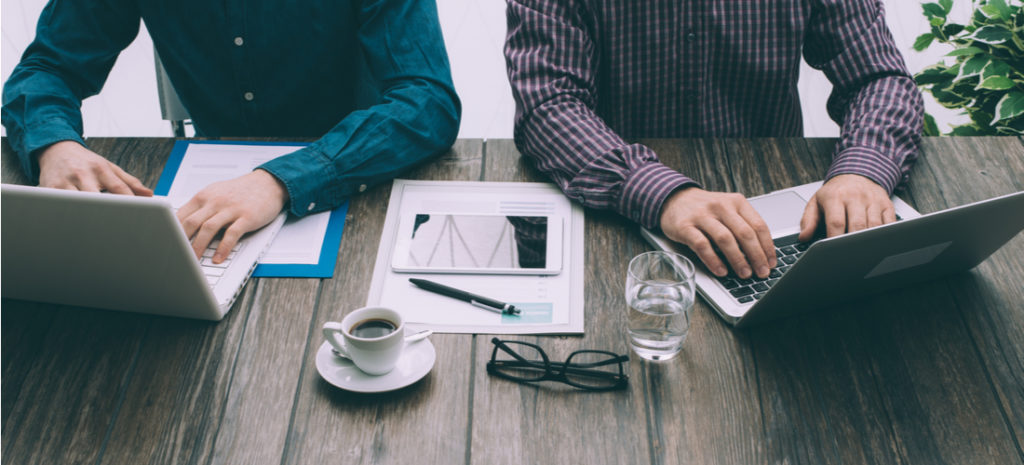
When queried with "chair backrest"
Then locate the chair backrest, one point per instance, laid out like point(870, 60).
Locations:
point(171, 108)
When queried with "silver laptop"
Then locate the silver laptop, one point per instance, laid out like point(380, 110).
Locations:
point(115, 252)
point(830, 271)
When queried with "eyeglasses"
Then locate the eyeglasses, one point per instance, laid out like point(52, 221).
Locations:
point(591, 370)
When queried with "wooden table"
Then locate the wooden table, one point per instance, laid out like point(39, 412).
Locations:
point(928, 374)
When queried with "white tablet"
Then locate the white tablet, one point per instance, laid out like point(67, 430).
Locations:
point(478, 244)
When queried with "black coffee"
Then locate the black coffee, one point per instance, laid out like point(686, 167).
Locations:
point(373, 328)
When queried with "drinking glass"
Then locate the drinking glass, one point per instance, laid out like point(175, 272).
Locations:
point(659, 299)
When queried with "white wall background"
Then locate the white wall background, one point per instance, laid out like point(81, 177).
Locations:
point(474, 32)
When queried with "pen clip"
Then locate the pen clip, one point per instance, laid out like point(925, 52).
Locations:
point(507, 309)
point(484, 306)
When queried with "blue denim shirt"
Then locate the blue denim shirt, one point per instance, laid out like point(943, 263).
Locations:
point(370, 78)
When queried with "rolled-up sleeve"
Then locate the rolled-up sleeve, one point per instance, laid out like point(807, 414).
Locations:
point(874, 98)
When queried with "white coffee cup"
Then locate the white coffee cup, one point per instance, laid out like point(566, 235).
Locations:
point(363, 339)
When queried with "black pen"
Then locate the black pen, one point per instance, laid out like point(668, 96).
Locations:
point(473, 299)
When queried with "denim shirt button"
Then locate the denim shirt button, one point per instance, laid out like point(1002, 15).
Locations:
point(311, 206)
point(362, 187)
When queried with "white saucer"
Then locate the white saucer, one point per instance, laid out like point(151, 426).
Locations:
point(417, 360)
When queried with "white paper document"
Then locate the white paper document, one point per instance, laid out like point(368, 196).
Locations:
point(551, 304)
point(298, 242)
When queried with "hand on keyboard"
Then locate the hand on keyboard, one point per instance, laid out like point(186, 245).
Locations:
point(705, 221)
point(745, 290)
point(235, 207)
point(847, 203)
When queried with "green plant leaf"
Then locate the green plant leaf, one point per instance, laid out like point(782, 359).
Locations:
point(981, 119)
point(973, 66)
point(979, 17)
point(947, 5)
point(967, 130)
point(1010, 106)
point(923, 41)
point(1012, 127)
point(948, 99)
point(992, 34)
point(996, 83)
point(952, 29)
point(990, 11)
point(1002, 9)
point(930, 128)
point(934, 10)
point(966, 51)
point(996, 68)
point(934, 74)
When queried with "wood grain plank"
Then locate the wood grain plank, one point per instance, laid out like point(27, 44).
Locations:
point(957, 171)
point(175, 400)
point(514, 423)
point(704, 407)
point(258, 408)
point(867, 372)
point(69, 387)
point(70, 378)
point(423, 423)
point(173, 405)
point(23, 339)
point(926, 374)
point(794, 428)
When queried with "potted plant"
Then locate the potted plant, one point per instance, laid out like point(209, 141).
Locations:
point(986, 76)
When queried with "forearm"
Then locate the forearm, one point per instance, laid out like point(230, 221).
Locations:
point(881, 132)
point(75, 46)
point(38, 110)
point(874, 98)
point(551, 66)
point(416, 117)
point(369, 147)
point(593, 165)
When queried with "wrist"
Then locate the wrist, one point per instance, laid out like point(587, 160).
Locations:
point(56, 148)
point(274, 185)
point(672, 202)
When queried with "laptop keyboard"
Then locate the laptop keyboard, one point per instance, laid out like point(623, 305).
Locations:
point(787, 249)
point(214, 271)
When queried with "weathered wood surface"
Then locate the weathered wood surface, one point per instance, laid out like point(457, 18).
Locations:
point(423, 423)
point(926, 374)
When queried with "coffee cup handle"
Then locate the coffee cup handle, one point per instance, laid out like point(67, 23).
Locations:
point(333, 329)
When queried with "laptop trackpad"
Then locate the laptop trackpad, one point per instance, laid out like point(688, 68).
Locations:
point(781, 210)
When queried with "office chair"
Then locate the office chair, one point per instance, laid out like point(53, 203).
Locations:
point(171, 108)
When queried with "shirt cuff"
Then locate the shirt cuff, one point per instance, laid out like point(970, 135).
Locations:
point(646, 190)
point(868, 163)
point(40, 137)
point(309, 177)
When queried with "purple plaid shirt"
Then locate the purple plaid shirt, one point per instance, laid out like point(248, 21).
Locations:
point(589, 74)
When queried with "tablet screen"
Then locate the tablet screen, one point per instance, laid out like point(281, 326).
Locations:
point(476, 242)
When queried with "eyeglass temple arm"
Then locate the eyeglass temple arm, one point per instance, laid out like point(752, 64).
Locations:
point(559, 365)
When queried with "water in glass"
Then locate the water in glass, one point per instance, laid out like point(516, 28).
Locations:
point(659, 296)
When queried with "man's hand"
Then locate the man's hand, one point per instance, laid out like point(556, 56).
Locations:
point(848, 203)
point(236, 206)
point(702, 220)
point(69, 165)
